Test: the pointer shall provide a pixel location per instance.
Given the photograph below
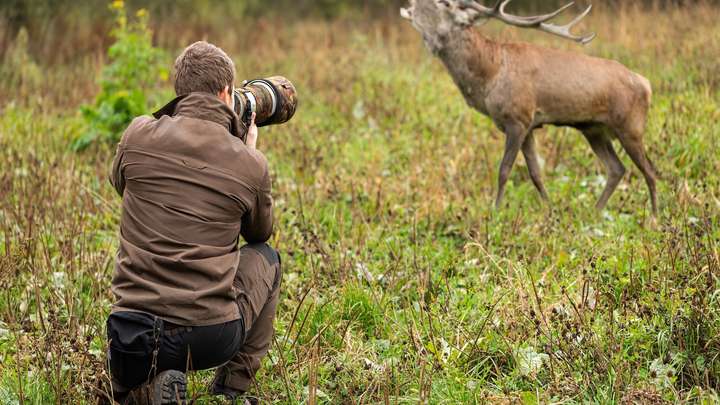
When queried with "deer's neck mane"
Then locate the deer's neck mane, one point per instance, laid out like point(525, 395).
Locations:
point(472, 59)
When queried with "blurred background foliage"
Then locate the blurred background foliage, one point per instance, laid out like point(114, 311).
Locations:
point(40, 38)
point(55, 25)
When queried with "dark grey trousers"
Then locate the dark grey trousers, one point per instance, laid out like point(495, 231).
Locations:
point(142, 345)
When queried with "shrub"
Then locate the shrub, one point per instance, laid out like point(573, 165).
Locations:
point(135, 66)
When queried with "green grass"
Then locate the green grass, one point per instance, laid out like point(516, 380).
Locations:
point(401, 282)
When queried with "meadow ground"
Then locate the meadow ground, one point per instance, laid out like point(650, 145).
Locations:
point(401, 283)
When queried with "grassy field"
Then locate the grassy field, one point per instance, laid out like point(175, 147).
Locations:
point(401, 283)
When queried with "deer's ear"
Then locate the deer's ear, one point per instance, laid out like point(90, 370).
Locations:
point(406, 13)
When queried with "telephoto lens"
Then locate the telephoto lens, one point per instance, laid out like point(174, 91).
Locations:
point(273, 100)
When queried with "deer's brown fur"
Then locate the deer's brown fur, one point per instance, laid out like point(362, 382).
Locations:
point(523, 87)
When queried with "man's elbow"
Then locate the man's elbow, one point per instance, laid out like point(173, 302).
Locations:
point(258, 235)
point(119, 186)
point(257, 238)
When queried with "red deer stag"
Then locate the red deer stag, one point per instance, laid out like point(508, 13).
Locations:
point(523, 87)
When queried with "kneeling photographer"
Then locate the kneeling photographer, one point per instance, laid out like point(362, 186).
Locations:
point(193, 183)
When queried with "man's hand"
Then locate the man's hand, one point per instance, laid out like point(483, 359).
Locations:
point(252, 134)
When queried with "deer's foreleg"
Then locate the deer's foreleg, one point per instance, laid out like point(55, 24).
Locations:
point(515, 135)
point(531, 159)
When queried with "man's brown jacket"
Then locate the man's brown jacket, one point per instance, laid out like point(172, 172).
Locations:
point(191, 188)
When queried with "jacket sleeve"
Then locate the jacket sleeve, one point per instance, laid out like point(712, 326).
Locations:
point(257, 223)
point(117, 178)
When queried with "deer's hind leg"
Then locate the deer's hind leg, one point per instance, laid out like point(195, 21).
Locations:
point(632, 142)
point(601, 144)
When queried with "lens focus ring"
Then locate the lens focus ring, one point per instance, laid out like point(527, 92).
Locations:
point(270, 90)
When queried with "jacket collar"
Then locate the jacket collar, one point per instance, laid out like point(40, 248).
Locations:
point(205, 106)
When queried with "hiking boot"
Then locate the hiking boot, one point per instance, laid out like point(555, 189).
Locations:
point(168, 388)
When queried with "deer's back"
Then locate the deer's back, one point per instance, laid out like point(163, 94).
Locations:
point(560, 86)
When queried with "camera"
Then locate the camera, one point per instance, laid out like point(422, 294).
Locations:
point(273, 100)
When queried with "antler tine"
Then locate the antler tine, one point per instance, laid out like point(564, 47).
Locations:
point(474, 5)
point(531, 20)
point(498, 11)
point(473, 11)
point(564, 30)
point(539, 22)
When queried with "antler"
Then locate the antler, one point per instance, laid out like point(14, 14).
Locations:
point(539, 22)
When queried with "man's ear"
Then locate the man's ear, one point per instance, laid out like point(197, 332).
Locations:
point(226, 96)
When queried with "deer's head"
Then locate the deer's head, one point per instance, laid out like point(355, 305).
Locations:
point(436, 19)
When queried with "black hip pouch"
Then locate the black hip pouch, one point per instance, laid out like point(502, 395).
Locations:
point(134, 341)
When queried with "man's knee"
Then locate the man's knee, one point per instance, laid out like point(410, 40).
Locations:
point(268, 253)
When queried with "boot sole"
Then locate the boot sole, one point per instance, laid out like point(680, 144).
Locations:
point(170, 388)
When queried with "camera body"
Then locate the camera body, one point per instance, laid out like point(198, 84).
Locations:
point(273, 100)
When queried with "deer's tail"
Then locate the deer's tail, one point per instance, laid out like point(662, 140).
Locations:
point(646, 89)
point(647, 93)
